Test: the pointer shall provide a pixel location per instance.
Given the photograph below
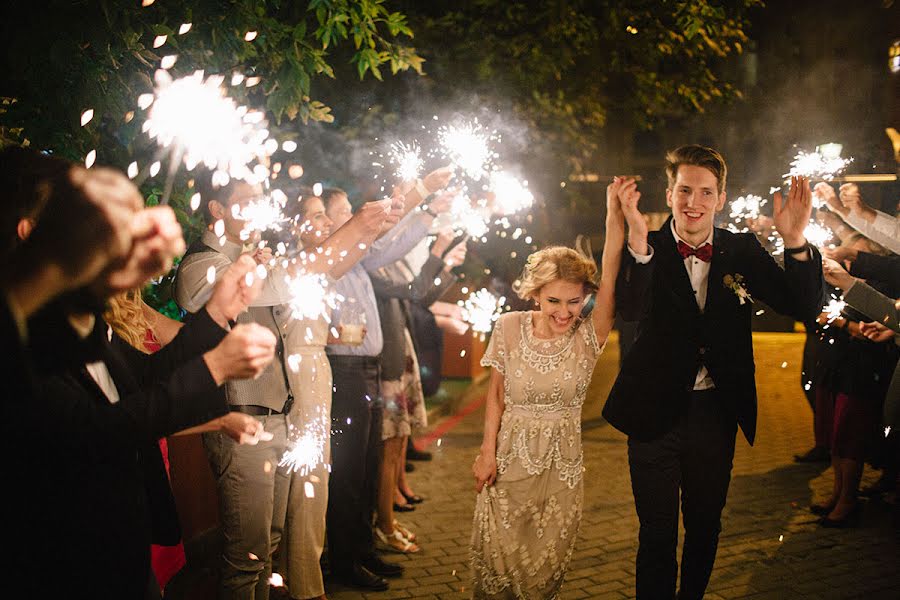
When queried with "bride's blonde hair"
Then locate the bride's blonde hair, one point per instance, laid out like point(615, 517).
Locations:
point(554, 263)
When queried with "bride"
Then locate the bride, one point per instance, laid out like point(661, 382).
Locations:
point(528, 474)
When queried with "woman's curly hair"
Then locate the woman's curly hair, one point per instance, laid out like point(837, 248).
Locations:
point(555, 263)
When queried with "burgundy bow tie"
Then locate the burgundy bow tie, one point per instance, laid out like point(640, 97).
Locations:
point(704, 252)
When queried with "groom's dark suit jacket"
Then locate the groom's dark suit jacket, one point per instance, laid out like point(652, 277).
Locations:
point(97, 474)
point(657, 376)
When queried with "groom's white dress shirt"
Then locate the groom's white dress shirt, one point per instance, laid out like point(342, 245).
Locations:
point(698, 273)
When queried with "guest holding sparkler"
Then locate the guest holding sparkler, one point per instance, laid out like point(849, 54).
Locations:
point(396, 288)
point(253, 492)
point(874, 224)
point(105, 404)
point(356, 412)
point(528, 474)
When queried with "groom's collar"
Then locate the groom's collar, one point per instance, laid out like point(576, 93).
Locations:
point(678, 238)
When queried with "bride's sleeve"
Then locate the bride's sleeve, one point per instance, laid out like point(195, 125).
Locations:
point(495, 355)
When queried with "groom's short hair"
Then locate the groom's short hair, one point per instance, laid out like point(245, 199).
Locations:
point(698, 156)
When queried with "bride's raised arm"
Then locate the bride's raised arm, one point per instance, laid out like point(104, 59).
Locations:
point(604, 312)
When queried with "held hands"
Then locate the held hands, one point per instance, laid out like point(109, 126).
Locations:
point(836, 275)
point(484, 470)
point(243, 429)
point(792, 215)
point(628, 195)
point(244, 353)
point(236, 289)
point(841, 254)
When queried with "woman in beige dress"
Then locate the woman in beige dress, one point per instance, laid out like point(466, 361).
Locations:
point(529, 472)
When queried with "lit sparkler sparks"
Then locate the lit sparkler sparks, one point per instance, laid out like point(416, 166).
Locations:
point(266, 213)
point(468, 147)
point(511, 194)
point(744, 208)
point(306, 446)
point(481, 310)
point(834, 308)
point(818, 235)
point(467, 217)
point(824, 163)
point(408, 159)
point(202, 125)
point(311, 296)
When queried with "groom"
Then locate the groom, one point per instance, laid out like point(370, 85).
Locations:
point(688, 381)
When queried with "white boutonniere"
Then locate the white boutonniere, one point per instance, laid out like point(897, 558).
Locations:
point(735, 283)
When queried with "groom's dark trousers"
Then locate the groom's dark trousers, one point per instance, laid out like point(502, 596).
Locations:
point(680, 439)
point(693, 458)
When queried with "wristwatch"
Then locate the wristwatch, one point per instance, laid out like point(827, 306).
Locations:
point(427, 209)
point(798, 249)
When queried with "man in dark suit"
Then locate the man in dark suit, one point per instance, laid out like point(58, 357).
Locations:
point(688, 382)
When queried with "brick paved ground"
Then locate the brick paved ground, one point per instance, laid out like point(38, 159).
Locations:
point(770, 545)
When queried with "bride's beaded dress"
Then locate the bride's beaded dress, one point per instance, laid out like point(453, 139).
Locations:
point(525, 524)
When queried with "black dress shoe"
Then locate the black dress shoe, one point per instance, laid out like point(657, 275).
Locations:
point(850, 520)
point(360, 577)
point(413, 499)
point(409, 467)
point(413, 454)
point(382, 568)
point(403, 507)
point(814, 455)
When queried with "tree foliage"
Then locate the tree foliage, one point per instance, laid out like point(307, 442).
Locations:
point(568, 66)
point(65, 56)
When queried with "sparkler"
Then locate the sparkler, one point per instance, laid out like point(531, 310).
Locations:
point(194, 119)
point(481, 310)
point(824, 164)
point(468, 146)
point(511, 194)
point(746, 207)
point(834, 308)
point(311, 297)
point(266, 213)
point(817, 235)
point(306, 446)
point(408, 159)
point(467, 217)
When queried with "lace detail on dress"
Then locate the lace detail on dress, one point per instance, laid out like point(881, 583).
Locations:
point(495, 355)
point(540, 444)
point(544, 355)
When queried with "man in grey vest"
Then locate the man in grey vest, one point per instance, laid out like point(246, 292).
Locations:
point(252, 491)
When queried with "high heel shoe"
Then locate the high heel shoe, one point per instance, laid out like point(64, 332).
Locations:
point(404, 531)
point(850, 520)
point(395, 542)
point(403, 507)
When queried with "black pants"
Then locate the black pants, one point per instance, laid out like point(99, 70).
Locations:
point(694, 461)
point(356, 414)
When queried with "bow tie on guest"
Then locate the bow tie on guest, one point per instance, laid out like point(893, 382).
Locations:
point(704, 252)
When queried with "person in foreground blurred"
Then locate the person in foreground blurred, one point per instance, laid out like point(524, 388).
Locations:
point(530, 487)
point(688, 381)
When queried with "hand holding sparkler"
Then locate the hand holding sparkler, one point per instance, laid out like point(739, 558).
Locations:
point(243, 429)
point(244, 353)
point(261, 256)
point(443, 201)
point(842, 254)
point(442, 242)
point(629, 196)
point(155, 242)
point(825, 193)
point(851, 198)
point(437, 179)
point(836, 275)
point(876, 332)
point(792, 215)
point(456, 256)
point(372, 215)
point(236, 289)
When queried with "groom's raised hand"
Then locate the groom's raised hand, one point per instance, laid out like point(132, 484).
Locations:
point(629, 196)
point(792, 215)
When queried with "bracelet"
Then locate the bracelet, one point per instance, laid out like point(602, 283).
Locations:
point(423, 191)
